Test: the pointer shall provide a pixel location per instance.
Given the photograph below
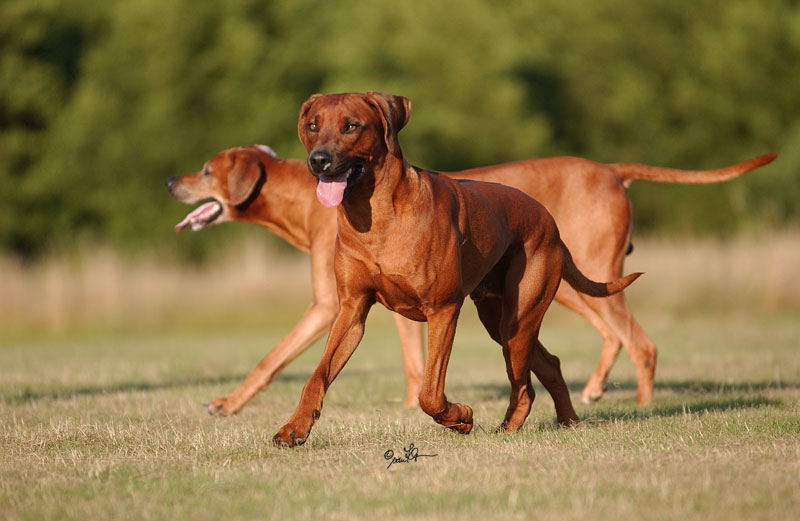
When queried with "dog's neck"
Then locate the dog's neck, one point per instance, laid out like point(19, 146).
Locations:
point(371, 203)
point(284, 201)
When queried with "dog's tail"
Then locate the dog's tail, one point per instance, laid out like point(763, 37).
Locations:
point(582, 283)
point(629, 172)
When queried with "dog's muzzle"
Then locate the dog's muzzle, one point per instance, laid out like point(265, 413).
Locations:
point(320, 162)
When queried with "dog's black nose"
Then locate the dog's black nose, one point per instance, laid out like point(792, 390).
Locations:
point(319, 162)
point(170, 182)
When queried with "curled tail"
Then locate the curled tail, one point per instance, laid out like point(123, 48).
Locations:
point(582, 283)
point(628, 172)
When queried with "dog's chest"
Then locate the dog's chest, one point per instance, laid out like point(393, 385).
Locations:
point(413, 283)
point(398, 295)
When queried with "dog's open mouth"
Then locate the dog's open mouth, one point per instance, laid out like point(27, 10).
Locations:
point(200, 217)
point(333, 188)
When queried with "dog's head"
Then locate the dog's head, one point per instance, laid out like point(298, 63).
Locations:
point(347, 136)
point(228, 182)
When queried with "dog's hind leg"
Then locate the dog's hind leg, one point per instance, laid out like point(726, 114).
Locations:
point(612, 345)
point(517, 364)
point(614, 311)
point(547, 368)
point(525, 304)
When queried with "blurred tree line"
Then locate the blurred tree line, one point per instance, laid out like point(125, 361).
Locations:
point(100, 100)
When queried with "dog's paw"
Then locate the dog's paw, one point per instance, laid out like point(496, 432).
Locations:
point(571, 421)
point(287, 438)
point(465, 425)
point(589, 399)
point(463, 421)
point(591, 395)
point(220, 407)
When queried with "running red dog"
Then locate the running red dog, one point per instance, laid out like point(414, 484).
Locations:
point(420, 243)
point(587, 199)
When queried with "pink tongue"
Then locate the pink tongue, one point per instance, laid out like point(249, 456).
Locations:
point(200, 213)
point(330, 190)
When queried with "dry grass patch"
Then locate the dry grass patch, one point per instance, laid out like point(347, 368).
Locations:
point(107, 422)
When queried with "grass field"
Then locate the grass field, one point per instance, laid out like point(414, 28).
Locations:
point(101, 411)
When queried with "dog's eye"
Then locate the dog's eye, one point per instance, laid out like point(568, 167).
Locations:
point(351, 127)
point(311, 126)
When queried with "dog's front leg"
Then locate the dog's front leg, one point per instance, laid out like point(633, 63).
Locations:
point(441, 331)
point(315, 322)
point(348, 328)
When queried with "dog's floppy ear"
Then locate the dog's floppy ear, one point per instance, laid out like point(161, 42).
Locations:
point(301, 119)
point(395, 111)
point(245, 178)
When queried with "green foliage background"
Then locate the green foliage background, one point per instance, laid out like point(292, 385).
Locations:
point(102, 100)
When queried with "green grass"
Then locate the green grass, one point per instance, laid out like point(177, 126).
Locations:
point(111, 426)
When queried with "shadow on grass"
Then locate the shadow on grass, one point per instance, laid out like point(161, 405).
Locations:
point(703, 405)
point(689, 397)
point(683, 387)
point(693, 395)
point(28, 395)
point(232, 380)
point(698, 386)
